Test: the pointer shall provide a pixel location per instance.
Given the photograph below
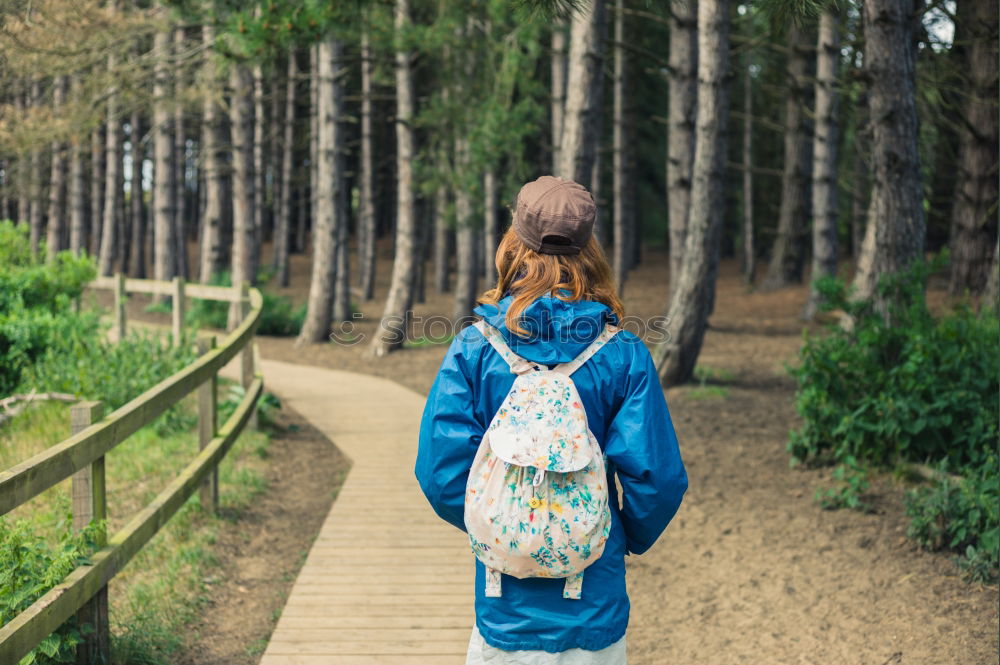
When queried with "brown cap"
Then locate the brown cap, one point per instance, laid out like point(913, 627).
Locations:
point(554, 215)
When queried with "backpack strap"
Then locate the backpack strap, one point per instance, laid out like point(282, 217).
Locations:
point(595, 346)
point(497, 341)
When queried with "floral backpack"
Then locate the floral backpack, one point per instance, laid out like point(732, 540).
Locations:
point(536, 503)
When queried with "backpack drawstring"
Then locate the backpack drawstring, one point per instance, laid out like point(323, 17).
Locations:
point(539, 477)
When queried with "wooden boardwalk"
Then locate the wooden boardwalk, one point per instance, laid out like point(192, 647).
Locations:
point(363, 596)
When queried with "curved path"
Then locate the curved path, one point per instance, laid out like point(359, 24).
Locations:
point(386, 580)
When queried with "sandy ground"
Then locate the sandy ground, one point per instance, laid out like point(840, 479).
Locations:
point(752, 570)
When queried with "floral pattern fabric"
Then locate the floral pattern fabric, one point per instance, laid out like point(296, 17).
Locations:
point(536, 502)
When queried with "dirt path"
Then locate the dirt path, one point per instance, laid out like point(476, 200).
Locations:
point(261, 549)
point(751, 570)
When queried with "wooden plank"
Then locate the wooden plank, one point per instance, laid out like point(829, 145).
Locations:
point(397, 612)
point(364, 596)
point(90, 504)
point(338, 622)
point(120, 299)
point(384, 648)
point(207, 426)
point(341, 659)
point(412, 585)
point(376, 634)
point(164, 288)
point(206, 292)
point(404, 576)
point(177, 311)
point(26, 480)
point(359, 601)
point(27, 629)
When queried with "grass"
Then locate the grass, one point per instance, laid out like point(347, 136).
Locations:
point(162, 588)
point(706, 376)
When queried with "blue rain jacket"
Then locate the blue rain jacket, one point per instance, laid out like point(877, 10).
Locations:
point(627, 413)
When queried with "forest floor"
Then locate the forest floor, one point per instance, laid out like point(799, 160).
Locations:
point(751, 570)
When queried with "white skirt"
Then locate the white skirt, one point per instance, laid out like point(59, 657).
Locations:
point(481, 653)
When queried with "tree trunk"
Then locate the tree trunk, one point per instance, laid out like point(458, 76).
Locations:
point(57, 181)
point(683, 93)
point(214, 157)
point(442, 241)
point(181, 207)
point(558, 98)
point(749, 255)
point(342, 284)
point(788, 252)
point(110, 231)
point(5, 188)
point(602, 229)
point(23, 166)
point(824, 171)
point(366, 218)
point(283, 226)
point(77, 193)
point(622, 226)
point(164, 241)
point(859, 196)
point(465, 240)
point(326, 226)
point(581, 127)
point(259, 193)
point(36, 218)
point(137, 260)
point(96, 190)
point(974, 211)
point(392, 330)
point(241, 123)
point(895, 235)
point(691, 298)
point(313, 142)
point(991, 294)
point(491, 227)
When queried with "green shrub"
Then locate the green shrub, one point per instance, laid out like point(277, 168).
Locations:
point(36, 300)
point(963, 516)
point(28, 569)
point(279, 316)
point(903, 386)
point(90, 367)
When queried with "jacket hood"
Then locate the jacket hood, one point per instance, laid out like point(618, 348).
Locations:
point(558, 330)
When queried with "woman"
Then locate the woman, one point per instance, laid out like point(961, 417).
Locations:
point(554, 296)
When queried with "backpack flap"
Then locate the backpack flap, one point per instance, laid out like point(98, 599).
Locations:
point(542, 424)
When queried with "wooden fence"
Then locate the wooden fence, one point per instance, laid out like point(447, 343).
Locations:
point(84, 591)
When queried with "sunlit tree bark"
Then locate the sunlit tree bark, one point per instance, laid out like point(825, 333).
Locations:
point(682, 96)
point(690, 303)
point(390, 335)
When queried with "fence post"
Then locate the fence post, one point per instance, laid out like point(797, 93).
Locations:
point(120, 297)
point(207, 428)
point(90, 504)
point(246, 356)
point(178, 310)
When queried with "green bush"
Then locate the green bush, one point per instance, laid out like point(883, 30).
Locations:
point(963, 516)
point(904, 386)
point(36, 303)
point(90, 367)
point(279, 316)
point(28, 569)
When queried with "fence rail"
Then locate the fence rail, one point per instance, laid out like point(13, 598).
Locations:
point(84, 591)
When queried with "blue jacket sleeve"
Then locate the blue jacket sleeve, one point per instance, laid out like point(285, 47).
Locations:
point(450, 433)
point(642, 447)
